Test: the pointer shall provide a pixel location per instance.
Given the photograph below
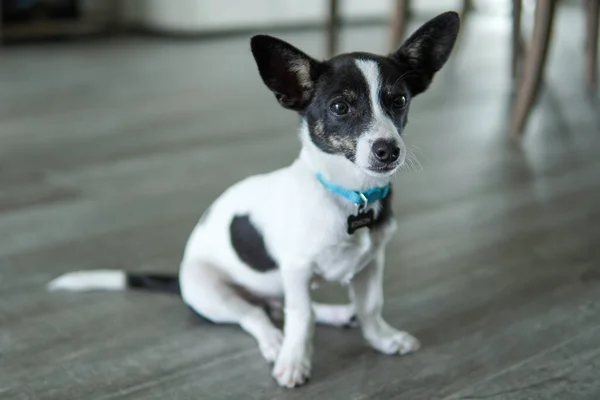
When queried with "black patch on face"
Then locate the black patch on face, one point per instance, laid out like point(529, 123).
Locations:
point(342, 80)
point(393, 86)
point(249, 244)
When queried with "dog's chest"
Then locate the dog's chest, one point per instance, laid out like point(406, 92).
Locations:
point(340, 261)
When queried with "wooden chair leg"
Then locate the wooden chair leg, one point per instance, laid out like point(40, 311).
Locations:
point(467, 7)
point(592, 14)
point(516, 38)
point(333, 28)
point(399, 22)
point(533, 66)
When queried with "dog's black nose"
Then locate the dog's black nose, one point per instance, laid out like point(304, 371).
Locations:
point(386, 151)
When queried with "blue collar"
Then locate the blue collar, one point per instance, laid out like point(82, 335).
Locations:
point(360, 198)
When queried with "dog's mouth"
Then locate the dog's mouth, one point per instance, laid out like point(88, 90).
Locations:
point(383, 169)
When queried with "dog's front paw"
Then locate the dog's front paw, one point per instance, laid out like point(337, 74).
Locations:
point(292, 370)
point(394, 342)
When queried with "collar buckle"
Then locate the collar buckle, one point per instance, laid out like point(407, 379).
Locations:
point(365, 203)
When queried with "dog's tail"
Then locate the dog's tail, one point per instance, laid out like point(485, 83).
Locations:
point(103, 279)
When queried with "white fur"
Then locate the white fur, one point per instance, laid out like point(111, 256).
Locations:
point(382, 127)
point(89, 280)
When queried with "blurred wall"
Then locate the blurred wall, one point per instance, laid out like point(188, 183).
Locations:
point(212, 15)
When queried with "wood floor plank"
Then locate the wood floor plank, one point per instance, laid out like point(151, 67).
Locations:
point(568, 370)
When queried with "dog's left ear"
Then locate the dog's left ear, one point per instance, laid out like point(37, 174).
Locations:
point(288, 72)
point(427, 50)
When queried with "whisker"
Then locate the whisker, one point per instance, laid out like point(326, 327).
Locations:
point(417, 163)
point(415, 149)
point(411, 163)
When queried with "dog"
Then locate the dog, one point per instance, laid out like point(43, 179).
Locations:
point(326, 217)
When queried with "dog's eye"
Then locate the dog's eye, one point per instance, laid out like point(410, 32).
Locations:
point(339, 108)
point(399, 102)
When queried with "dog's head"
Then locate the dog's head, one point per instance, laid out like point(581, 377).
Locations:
point(355, 105)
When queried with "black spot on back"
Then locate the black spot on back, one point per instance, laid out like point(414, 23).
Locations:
point(249, 244)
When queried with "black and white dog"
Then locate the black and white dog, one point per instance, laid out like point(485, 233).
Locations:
point(325, 216)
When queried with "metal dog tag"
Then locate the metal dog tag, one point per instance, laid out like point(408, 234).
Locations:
point(360, 220)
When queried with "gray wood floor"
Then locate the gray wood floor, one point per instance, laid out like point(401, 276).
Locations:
point(110, 151)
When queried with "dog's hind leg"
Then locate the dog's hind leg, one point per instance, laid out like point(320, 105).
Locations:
point(207, 291)
point(339, 315)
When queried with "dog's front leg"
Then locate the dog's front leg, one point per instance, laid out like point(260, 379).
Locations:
point(366, 290)
point(293, 364)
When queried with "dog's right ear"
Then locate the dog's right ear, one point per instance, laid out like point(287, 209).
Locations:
point(427, 50)
point(288, 72)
